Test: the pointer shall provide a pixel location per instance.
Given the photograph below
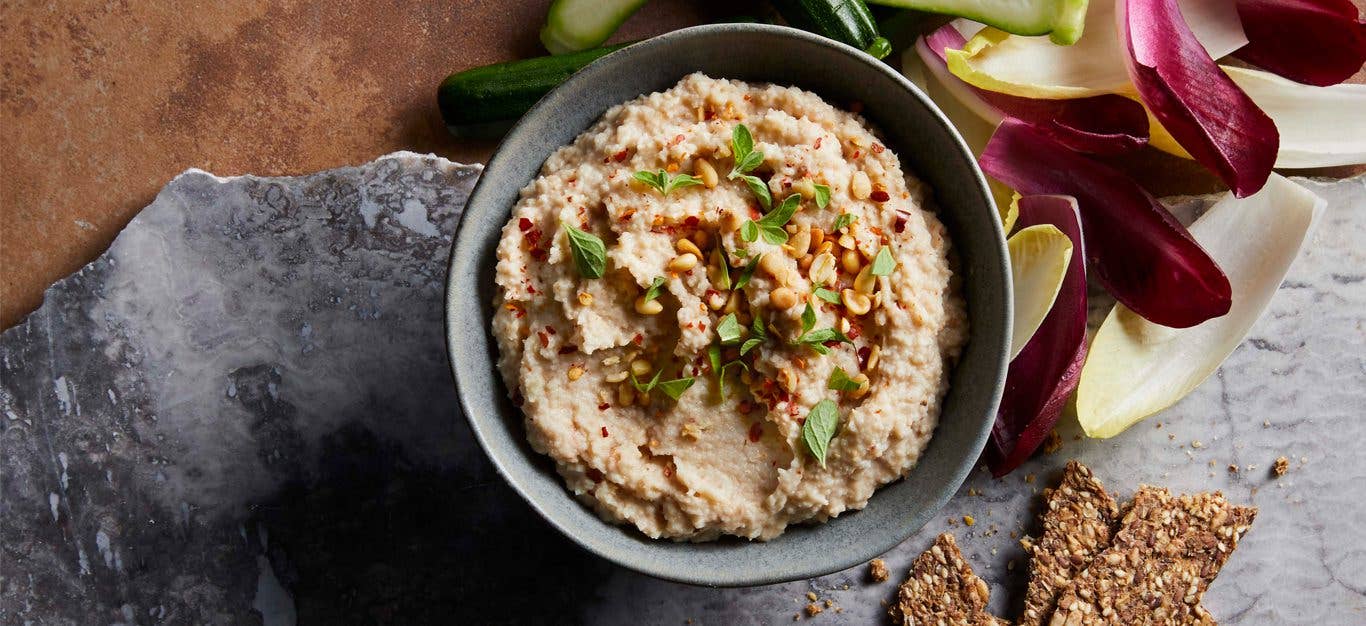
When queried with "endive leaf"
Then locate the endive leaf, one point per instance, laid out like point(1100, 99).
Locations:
point(1200, 106)
point(1033, 67)
point(1316, 42)
point(1106, 124)
point(1044, 375)
point(1137, 368)
point(1135, 247)
point(1039, 256)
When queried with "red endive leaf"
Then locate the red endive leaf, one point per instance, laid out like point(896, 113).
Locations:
point(1315, 42)
point(1108, 124)
point(1045, 373)
point(1202, 108)
point(1134, 247)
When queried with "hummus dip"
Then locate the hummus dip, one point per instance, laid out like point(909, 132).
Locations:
point(697, 361)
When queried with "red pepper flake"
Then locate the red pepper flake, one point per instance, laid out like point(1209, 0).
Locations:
point(818, 142)
point(878, 148)
point(524, 224)
point(854, 332)
point(568, 348)
point(604, 406)
point(550, 329)
point(517, 311)
point(530, 288)
point(545, 339)
point(638, 339)
point(708, 114)
point(746, 406)
point(677, 139)
point(604, 431)
point(756, 432)
point(624, 154)
point(863, 354)
point(879, 195)
point(668, 471)
point(900, 222)
point(876, 231)
point(594, 475)
point(691, 221)
point(857, 154)
point(627, 214)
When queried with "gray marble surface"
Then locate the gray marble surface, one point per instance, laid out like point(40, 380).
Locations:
point(242, 414)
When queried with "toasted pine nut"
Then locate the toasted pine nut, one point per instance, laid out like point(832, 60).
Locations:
point(643, 397)
point(822, 269)
point(585, 298)
point(806, 187)
point(787, 379)
point(731, 220)
point(851, 261)
point(615, 377)
point(575, 373)
point(701, 238)
point(706, 172)
point(682, 262)
point(855, 302)
point(865, 281)
point(863, 385)
point(825, 246)
point(733, 303)
point(653, 307)
point(800, 242)
point(610, 361)
point(626, 395)
point(804, 263)
point(716, 300)
point(783, 298)
point(859, 186)
point(641, 367)
point(874, 357)
point(844, 325)
point(772, 264)
point(848, 242)
point(817, 236)
point(684, 246)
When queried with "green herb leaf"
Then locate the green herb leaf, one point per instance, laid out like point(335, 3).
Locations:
point(822, 196)
point(725, 372)
point(655, 287)
point(819, 348)
point(741, 142)
point(757, 328)
point(827, 295)
point(664, 183)
point(750, 344)
point(647, 386)
point(883, 263)
point(840, 381)
point(729, 330)
point(808, 318)
point(590, 255)
point(759, 188)
point(675, 388)
point(723, 265)
point(779, 217)
point(750, 162)
point(843, 220)
point(819, 428)
point(714, 356)
point(822, 335)
point(749, 231)
point(748, 273)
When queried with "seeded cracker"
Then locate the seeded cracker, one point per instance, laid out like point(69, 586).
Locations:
point(1162, 560)
point(941, 589)
point(1078, 522)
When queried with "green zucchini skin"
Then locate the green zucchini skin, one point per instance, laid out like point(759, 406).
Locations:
point(472, 102)
point(575, 25)
point(846, 21)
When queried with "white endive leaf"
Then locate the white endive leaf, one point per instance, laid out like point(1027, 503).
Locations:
point(1137, 368)
point(1034, 67)
point(1038, 263)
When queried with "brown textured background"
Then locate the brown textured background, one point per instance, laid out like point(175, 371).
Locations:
point(102, 102)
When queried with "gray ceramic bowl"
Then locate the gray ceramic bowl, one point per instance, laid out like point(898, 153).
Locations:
point(928, 146)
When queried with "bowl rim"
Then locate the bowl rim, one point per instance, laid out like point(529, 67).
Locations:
point(835, 563)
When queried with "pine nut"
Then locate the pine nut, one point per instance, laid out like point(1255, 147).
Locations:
point(800, 242)
point(804, 263)
point(706, 172)
point(848, 242)
point(653, 307)
point(851, 261)
point(783, 298)
point(716, 300)
point(874, 357)
point(702, 239)
point(575, 373)
point(855, 302)
point(865, 281)
point(817, 236)
point(773, 265)
point(844, 325)
point(822, 269)
point(585, 298)
point(825, 246)
point(615, 377)
point(643, 397)
point(641, 367)
point(684, 246)
point(733, 303)
point(859, 186)
point(626, 395)
point(682, 262)
point(806, 187)
point(863, 386)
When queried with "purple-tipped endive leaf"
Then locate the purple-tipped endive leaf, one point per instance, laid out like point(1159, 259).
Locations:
point(1044, 374)
point(1135, 247)
point(1200, 106)
point(1315, 42)
point(1137, 368)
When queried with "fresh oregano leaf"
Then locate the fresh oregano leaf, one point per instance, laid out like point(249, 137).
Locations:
point(655, 288)
point(883, 263)
point(843, 220)
point(588, 251)
point(729, 330)
point(664, 183)
point(757, 328)
point(760, 189)
point(748, 273)
point(675, 388)
point(741, 142)
point(749, 231)
point(647, 386)
point(750, 344)
point(808, 318)
point(822, 196)
point(840, 381)
point(819, 428)
point(827, 295)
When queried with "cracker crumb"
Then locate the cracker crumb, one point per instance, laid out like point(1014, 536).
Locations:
point(1232, 468)
point(1053, 442)
point(813, 609)
point(1197, 444)
point(1281, 467)
point(1029, 478)
point(877, 570)
point(969, 520)
point(811, 595)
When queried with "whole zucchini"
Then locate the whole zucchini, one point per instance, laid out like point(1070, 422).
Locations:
point(846, 21)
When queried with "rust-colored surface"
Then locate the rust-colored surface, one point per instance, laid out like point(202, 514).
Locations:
point(102, 102)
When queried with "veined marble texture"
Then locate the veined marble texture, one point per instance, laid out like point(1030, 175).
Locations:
point(242, 413)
